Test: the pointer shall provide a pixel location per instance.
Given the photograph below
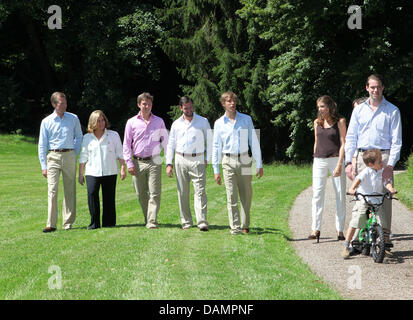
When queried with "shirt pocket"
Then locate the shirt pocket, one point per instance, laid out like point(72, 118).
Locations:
point(108, 146)
point(382, 124)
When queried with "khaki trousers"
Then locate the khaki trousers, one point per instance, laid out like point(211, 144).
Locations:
point(238, 177)
point(65, 163)
point(147, 183)
point(387, 208)
point(189, 169)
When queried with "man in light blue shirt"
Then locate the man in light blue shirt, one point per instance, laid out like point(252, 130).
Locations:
point(60, 140)
point(233, 134)
point(375, 124)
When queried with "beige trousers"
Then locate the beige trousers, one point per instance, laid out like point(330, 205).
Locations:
point(387, 208)
point(189, 169)
point(237, 177)
point(147, 183)
point(65, 163)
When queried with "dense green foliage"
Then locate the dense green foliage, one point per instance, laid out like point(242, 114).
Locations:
point(277, 55)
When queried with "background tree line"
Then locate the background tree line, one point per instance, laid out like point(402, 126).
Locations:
point(279, 56)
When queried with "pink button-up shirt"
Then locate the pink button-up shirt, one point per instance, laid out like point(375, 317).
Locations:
point(144, 139)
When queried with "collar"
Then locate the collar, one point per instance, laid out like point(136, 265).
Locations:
point(226, 119)
point(139, 116)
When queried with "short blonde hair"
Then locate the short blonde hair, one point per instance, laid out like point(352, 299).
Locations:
point(228, 94)
point(93, 120)
point(53, 98)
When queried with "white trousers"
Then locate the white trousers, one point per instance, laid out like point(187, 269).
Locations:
point(321, 168)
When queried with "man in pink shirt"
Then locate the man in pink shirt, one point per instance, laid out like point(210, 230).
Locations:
point(145, 133)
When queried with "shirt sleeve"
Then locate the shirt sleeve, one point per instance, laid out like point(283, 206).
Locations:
point(208, 136)
point(43, 145)
point(396, 138)
point(171, 145)
point(216, 148)
point(164, 137)
point(127, 145)
point(254, 144)
point(351, 136)
point(118, 145)
point(78, 136)
point(84, 154)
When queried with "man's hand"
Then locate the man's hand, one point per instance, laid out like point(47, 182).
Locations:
point(260, 172)
point(44, 173)
point(387, 174)
point(132, 171)
point(169, 171)
point(350, 171)
point(81, 179)
point(217, 178)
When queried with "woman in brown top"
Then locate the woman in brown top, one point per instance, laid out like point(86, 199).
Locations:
point(329, 134)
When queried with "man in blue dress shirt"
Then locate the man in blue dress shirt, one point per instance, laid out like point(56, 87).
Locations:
point(60, 140)
point(375, 124)
point(233, 134)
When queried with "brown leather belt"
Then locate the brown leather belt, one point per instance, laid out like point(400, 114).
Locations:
point(189, 154)
point(236, 154)
point(61, 150)
point(140, 158)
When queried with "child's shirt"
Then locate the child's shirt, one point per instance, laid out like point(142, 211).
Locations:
point(371, 182)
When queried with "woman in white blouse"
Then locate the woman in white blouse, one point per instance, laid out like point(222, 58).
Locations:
point(100, 150)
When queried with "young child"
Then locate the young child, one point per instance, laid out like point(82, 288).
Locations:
point(368, 181)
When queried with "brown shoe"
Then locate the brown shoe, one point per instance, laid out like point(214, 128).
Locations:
point(49, 229)
point(246, 230)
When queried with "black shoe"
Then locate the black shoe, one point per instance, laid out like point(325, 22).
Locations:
point(49, 229)
point(203, 229)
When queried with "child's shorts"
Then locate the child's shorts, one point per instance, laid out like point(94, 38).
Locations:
point(359, 217)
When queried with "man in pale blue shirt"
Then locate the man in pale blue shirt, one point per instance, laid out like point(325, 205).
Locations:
point(375, 124)
point(60, 140)
point(233, 134)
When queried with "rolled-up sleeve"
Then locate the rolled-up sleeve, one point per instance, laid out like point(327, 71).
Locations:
point(396, 138)
point(43, 145)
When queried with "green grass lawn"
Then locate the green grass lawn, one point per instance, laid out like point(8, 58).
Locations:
point(131, 262)
point(404, 186)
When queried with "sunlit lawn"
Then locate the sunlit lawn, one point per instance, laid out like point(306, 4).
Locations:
point(131, 262)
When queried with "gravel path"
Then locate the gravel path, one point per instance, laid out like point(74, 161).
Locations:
point(358, 277)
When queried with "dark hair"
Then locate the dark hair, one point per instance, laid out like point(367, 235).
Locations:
point(332, 107)
point(184, 100)
point(359, 100)
point(375, 76)
point(370, 156)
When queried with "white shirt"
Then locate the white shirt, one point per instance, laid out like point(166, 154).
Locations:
point(234, 138)
point(381, 129)
point(100, 155)
point(371, 183)
point(189, 137)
